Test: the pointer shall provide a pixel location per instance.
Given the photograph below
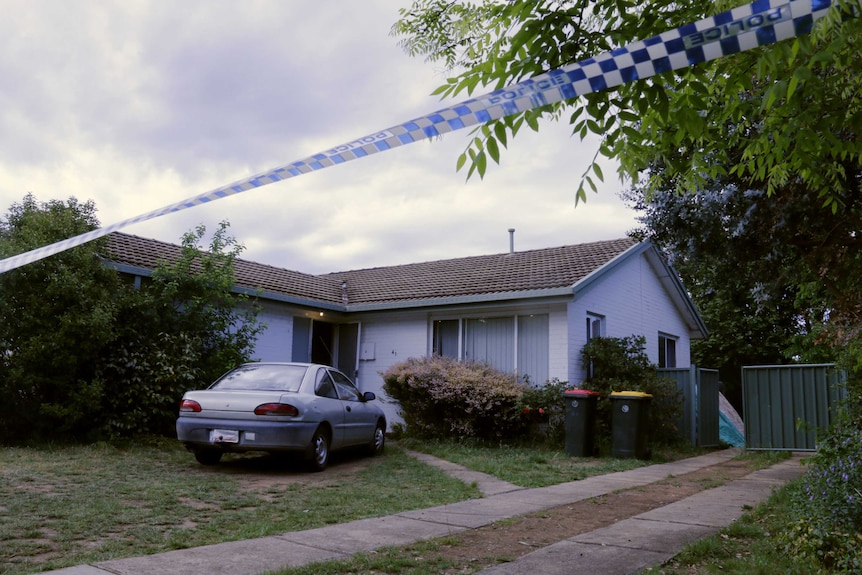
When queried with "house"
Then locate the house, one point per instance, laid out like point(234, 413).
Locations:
point(528, 312)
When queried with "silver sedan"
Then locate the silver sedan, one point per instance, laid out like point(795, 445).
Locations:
point(304, 408)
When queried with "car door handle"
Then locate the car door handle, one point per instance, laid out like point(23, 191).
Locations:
point(348, 408)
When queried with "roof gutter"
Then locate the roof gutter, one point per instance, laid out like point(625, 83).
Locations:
point(565, 292)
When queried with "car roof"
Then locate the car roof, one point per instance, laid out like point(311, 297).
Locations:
point(290, 363)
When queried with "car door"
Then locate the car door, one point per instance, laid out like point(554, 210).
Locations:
point(359, 419)
point(329, 406)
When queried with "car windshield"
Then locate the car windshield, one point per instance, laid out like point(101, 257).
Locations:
point(263, 378)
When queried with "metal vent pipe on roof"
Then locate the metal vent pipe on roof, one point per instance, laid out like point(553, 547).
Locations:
point(511, 240)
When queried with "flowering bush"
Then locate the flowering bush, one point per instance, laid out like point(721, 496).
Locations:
point(442, 397)
point(828, 505)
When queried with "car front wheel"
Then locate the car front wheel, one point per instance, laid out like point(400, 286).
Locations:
point(318, 450)
point(378, 440)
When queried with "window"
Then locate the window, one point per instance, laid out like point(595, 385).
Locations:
point(324, 386)
point(511, 343)
point(595, 328)
point(666, 350)
point(533, 347)
point(446, 338)
point(346, 390)
point(491, 340)
point(595, 325)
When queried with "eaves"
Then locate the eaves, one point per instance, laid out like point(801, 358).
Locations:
point(562, 292)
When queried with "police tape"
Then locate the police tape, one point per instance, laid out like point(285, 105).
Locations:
point(758, 24)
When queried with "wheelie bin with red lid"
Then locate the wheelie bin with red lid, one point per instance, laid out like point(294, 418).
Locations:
point(580, 422)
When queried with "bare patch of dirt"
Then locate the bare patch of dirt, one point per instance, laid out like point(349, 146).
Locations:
point(262, 473)
point(508, 540)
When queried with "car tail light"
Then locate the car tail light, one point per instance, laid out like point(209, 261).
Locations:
point(188, 405)
point(276, 409)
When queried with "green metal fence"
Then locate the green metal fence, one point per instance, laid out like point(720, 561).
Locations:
point(699, 388)
point(784, 406)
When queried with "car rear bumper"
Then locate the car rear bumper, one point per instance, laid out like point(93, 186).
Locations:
point(194, 432)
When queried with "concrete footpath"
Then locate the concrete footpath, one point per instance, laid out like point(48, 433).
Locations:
point(627, 546)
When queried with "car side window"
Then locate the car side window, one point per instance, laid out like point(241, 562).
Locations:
point(346, 390)
point(323, 385)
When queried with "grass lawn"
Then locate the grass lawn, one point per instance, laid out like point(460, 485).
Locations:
point(746, 547)
point(69, 505)
point(538, 466)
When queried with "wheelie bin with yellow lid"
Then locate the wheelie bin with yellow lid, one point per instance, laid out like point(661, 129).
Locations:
point(630, 424)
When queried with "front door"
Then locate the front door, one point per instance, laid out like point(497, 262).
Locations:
point(348, 349)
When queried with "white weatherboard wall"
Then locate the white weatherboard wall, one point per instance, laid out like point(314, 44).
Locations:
point(394, 340)
point(274, 343)
point(558, 347)
point(633, 302)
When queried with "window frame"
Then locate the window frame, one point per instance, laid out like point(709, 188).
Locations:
point(667, 347)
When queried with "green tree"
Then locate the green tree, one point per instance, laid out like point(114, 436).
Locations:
point(57, 316)
point(84, 354)
point(744, 256)
point(181, 331)
point(786, 114)
point(782, 118)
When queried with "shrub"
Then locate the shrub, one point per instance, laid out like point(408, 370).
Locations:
point(827, 504)
point(621, 364)
point(544, 412)
point(441, 397)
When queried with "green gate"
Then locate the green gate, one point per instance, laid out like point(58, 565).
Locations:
point(785, 405)
point(699, 388)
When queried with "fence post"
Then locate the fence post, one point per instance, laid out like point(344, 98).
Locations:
point(695, 393)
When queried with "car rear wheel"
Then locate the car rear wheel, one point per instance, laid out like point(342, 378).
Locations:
point(378, 440)
point(208, 456)
point(318, 450)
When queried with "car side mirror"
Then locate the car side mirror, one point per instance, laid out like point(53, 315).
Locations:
point(369, 396)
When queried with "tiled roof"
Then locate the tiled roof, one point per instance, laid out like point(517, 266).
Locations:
point(145, 253)
point(499, 274)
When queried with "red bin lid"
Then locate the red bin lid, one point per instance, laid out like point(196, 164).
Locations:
point(580, 393)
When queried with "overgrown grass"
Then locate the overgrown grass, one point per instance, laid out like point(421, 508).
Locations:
point(715, 554)
point(537, 466)
point(808, 526)
point(68, 505)
point(746, 547)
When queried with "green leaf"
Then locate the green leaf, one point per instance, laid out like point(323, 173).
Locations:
point(581, 195)
point(598, 171)
point(481, 164)
point(500, 132)
point(462, 159)
point(493, 150)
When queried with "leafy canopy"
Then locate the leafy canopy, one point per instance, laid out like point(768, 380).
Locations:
point(786, 113)
point(84, 354)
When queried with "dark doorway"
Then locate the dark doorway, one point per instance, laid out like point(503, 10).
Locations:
point(321, 343)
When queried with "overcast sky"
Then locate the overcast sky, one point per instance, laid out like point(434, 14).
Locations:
point(139, 104)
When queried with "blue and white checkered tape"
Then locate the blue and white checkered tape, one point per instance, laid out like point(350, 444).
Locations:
point(758, 24)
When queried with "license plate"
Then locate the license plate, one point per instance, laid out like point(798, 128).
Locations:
point(224, 436)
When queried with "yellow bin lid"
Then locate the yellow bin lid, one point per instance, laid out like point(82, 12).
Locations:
point(639, 394)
